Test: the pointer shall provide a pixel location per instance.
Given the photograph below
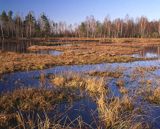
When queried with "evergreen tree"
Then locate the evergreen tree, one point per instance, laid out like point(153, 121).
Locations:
point(45, 25)
point(30, 22)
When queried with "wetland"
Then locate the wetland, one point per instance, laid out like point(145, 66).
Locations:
point(80, 84)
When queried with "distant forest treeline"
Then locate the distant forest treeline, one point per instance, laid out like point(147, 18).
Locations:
point(15, 26)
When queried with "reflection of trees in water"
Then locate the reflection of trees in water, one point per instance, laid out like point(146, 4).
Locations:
point(17, 46)
point(151, 51)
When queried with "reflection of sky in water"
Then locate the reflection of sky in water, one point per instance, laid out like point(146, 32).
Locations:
point(22, 46)
point(15, 80)
point(147, 55)
point(50, 52)
point(150, 55)
point(148, 52)
point(30, 78)
point(82, 107)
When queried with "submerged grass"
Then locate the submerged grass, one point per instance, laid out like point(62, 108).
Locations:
point(30, 100)
point(151, 94)
point(118, 112)
point(33, 99)
point(91, 85)
point(106, 74)
point(114, 112)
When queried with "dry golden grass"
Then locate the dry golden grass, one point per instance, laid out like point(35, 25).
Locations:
point(97, 87)
point(120, 83)
point(116, 112)
point(92, 85)
point(30, 100)
point(123, 90)
point(23, 62)
point(90, 48)
point(126, 103)
point(59, 81)
point(121, 86)
point(112, 111)
point(154, 95)
point(146, 69)
point(142, 41)
point(11, 62)
point(82, 53)
point(91, 53)
point(139, 125)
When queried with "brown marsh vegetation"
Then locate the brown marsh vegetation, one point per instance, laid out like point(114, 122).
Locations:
point(102, 76)
point(113, 111)
point(30, 100)
point(11, 61)
point(84, 53)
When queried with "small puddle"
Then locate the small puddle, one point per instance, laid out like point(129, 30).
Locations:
point(148, 52)
point(49, 52)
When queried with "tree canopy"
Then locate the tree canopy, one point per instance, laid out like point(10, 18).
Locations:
point(13, 25)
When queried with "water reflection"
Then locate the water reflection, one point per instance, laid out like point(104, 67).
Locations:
point(15, 80)
point(49, 52)
point(149, 52)
point(16, 46)
point(21, 47)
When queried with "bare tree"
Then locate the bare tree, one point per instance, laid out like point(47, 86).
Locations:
point(142, 25)
point(107, 26)
point(159, 27)
point(18, 26)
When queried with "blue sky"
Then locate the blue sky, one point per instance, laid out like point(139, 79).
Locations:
point(75, 11)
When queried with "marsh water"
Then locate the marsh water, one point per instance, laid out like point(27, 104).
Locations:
point(149, 52)
point(21, 47)
point(12, 81)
